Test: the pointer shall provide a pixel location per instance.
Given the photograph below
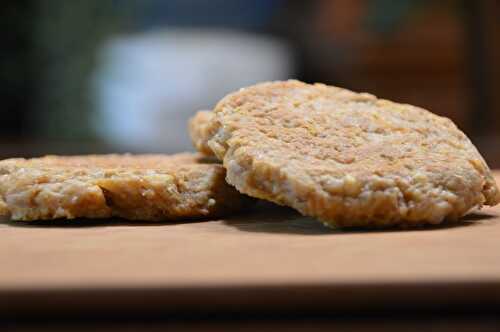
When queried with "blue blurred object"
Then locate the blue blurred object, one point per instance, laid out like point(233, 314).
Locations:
point(148, 84)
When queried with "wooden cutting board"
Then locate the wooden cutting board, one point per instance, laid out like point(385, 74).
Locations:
point(270, 258)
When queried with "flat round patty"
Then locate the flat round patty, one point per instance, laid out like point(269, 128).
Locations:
point(136, 187)
point(347, 158)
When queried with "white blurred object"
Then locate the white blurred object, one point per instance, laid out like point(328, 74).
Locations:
point(147, 86)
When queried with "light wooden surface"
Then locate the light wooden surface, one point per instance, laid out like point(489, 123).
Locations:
point(269, 257)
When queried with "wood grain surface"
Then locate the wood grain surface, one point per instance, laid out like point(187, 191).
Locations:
point(267, 258)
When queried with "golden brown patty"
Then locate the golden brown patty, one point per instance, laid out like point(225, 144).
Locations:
point(137, 187)
point(199, 126)
point(347, 158)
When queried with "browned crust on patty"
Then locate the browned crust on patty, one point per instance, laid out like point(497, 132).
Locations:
point(136, 187)
point(199, 130)
point(347, 158)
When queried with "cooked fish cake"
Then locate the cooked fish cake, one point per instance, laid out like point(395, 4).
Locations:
point(347, 158)
point(136, 187)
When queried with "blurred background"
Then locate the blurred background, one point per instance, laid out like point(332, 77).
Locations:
point(96, 76)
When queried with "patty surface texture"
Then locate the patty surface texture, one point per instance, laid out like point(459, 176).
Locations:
point(199, 131)
point(349, 159)
point(135, 187)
